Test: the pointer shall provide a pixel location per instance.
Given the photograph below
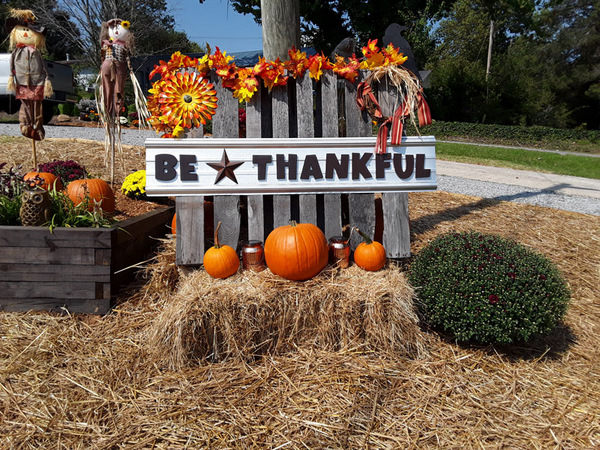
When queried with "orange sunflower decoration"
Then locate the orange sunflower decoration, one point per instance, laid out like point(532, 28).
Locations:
point(179, 101)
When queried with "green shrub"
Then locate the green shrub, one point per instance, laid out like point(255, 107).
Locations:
point(509, 134)
point(66, 108)
point(486, 289)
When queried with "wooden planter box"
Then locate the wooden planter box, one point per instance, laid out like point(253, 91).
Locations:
point(78, 269)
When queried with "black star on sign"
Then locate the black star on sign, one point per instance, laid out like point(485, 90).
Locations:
point(225, 168)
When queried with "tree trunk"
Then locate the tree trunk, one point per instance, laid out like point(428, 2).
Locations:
point(281, 27)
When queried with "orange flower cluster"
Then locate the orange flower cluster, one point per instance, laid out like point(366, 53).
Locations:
point(181, 98)
point(244, 81)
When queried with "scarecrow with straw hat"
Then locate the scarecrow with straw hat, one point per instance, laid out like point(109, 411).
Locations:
point(117, 44)
point(28, 78)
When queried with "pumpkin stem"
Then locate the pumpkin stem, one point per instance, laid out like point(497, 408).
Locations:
point(350, 235)
point(293, 223)
point(217, 244)
point(367, 239)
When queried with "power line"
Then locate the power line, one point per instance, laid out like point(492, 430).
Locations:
point(225, 37)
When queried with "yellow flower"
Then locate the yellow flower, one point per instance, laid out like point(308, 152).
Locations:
point(134, 185)
point(125, 24)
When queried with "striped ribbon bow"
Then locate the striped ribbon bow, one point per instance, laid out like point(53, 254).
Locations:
point(366, 100)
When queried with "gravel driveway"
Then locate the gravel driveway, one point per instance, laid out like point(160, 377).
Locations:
point(129, 136)
point(455, 184)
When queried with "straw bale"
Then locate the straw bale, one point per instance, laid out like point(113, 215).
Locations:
point(89, 382)
point(251, 314)
point(161, 274)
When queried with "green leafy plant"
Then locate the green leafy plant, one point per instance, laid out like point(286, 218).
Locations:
point(66, 108)
point(487, 289)
point(9, 210)
point(10, 195)
point(66, 214)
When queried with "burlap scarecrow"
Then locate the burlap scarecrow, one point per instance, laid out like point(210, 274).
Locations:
point(117, 45)
point(28, 78)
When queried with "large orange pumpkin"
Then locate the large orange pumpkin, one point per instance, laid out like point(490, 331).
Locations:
point(221, 261)
point(297, 251)
point(370, 254)
point(45, 180)
point(90, 191)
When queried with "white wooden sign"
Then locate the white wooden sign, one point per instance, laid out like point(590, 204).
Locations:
point(287, 166)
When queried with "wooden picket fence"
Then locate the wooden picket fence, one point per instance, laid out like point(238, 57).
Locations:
point(302, 109)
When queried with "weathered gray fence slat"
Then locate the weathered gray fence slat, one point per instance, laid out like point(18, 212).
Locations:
point(358, 123)
point(280, 118)
point(225, 120)
point(256, 218)
point(329, 105)
point(190, 230)
point(280, 112)
point(328, 108)
point(306, 129)
point(255, 204)
point(253, 116)
point(396, 226)
point(282, 210)
point(361, 207)
point(361, 214)
point(226, 125)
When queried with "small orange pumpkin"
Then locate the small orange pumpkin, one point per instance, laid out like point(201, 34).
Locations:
point(370, 254)
point(221, 261)
point(297, 251)
point(174, 224)
point(45, 180)
point(92, 190)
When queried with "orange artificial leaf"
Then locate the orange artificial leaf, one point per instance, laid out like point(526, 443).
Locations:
point(317, 64)
point(392, 57)
point(346, 69)
point(297, 65)
point(271, 72)
point(245, 89)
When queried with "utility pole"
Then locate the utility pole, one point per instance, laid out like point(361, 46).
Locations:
point(280, 27)
point(489, 55)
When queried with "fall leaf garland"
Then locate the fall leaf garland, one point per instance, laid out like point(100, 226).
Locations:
point(183, 98)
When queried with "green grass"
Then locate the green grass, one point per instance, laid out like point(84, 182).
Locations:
point(9, 119)
point(575, 165)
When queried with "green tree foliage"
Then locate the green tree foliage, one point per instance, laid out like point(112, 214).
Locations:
point(545, 66)
point(74, 27)
point(569, 41)
point(324, 23)
point(461, 91)
point(56, 44)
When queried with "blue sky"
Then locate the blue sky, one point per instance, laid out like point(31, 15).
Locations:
point(217, 23)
